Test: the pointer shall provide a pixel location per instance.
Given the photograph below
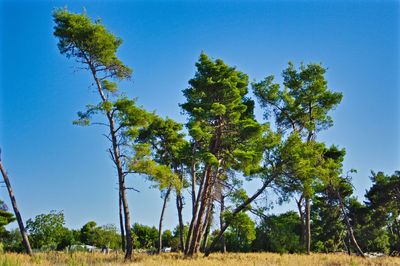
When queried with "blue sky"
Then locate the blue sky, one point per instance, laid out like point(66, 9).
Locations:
point(54, 165)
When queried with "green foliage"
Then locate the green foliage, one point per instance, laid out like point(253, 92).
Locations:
point(304, 102)
point(12, 241)
point(100, 236)
point(384, 205)
point(241, 232)
point(46, 230)
point(89, 42)
point(221, 120)
point(371, 237)
point(279, 233)
point(144, 237)
point(5, 217)
point(87, 233)
point(167, 238)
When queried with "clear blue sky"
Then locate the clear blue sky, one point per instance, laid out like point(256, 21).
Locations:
point(55, 165)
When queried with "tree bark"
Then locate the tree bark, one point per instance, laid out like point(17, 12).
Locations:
point(348, 225)
point(302, 221)
point(195, 213)
point(161, 219)
point(221, 222)
point(197, 231)
point(308, 225)
point(236, 211)
point(179, 207)
point(25, 239)
point(121, 223)
point(118, 164)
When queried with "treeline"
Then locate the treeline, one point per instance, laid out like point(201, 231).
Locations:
point(224, 146)
point(374, 222)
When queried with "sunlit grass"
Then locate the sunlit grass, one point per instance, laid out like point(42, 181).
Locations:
point(253, 259)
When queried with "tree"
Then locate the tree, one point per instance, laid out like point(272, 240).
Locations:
point(5, 217)
point(169, 150)
point(12, 241)
point(373, 238)
point(46, 230)
point(167, 238)
point(240, 233)
point(279, 233)
point(88, 234)
point(384, 205)
point(145, 237)
point(100, 236)
point(92, 45)
point(17, 213)
point(302, 107)
point(221, 125)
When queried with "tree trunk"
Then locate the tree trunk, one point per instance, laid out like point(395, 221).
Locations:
point(302, 221)
point(198, 228)
point(195, 213)
point(222, 223)
point(236, 211)
point(349, 227)
point(207, 225)
point(117, 161)
point(121, 223)
point(161, 219)
point(179, 207)
point(308, 225)
point(25, 239)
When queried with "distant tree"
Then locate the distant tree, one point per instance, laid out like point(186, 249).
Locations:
point(5, 217)
point(372, 237)
point(240, 233)
point(12, 241)
point(67, 238)
point(279, 233)
point(46, 230)
point(100, 236)
point(88, 233)
point(107, 236)
point(145, 237)
point(384, 204)
point(167, 238)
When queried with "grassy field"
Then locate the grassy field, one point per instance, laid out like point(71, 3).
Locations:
point(59, 258)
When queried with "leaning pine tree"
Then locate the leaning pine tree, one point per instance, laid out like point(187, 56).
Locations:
point(93, 46)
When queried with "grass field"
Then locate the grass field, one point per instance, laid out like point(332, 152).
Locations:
point(59, 258)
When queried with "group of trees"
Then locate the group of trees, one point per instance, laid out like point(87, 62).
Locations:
point(374, 222)
point(224, 147)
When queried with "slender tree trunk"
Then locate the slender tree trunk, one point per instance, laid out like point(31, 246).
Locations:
point(179, 207)
point(161, 219)
point(348, 225)
point(236, 211)
point(308, 225)
point(207, 225)
point(222, 223)
point(117, 161)
point(25, 239)
point(193, 174)
point(121, 223)
point(302, 221)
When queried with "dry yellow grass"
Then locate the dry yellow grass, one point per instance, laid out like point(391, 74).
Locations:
point(251, 259)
